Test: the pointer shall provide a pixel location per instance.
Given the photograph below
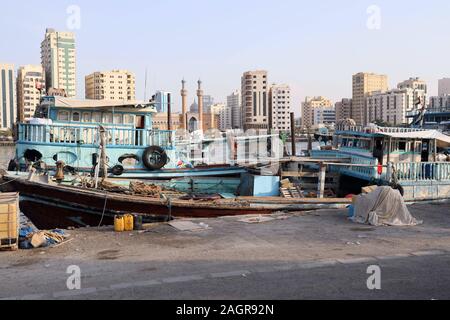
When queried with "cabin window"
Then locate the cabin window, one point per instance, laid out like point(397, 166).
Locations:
point(402, 145)
point(63, 116)
point(76, 116)
point(128, 119)
point(118, 119)
point(107, 117)
point(97, 117)
point(86, 117)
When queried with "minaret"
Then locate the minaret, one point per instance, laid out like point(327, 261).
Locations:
point(184, 105)
point(200, 105)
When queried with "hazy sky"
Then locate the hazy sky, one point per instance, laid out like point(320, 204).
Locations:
point(314, 46)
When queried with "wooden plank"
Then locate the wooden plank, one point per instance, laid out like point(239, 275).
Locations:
point(307, 174)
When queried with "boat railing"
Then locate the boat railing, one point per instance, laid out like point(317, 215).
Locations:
point(377, 129)
point(422, 171)
point(367, 170)
point(89, 135)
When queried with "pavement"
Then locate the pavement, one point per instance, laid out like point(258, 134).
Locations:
point(309, 255)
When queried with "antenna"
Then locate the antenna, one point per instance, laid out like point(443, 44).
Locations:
point(145, 89)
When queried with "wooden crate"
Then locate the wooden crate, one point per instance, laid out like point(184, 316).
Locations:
point(9, 221)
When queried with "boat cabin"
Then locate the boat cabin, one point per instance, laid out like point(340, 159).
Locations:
point(69, 130)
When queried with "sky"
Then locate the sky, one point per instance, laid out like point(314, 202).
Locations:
point(314, 46)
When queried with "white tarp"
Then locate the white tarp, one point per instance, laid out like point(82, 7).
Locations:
point(383, 206)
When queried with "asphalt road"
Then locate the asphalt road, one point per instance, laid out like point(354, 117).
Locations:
point(413, 277)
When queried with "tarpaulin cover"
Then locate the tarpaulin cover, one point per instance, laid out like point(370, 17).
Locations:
point(383, 206)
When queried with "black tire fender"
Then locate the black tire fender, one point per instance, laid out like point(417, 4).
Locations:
point(154, 158)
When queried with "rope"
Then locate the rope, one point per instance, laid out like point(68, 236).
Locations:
point(104, 209)
point(2, 184)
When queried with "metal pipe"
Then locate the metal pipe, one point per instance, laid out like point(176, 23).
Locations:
point(294, 150)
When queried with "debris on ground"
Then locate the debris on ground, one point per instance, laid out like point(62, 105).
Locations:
point(184, 225)
point(258, 219)
point(30, 237)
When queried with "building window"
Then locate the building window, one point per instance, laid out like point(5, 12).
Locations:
point(97, 117)
point(86, 117)
point(63, 116)
point(107, 117)
point(76, 116)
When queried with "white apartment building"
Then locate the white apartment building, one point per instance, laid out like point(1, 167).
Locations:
point(255, 100)
point(280, 106)
point(111, 85)
point(8, 110)
point(308, 107)
point(58, 56)
point(30, 88)
point(444, 87)
point(234, 103)
point(224, 114)
point(390, 106)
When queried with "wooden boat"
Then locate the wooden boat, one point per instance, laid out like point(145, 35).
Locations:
point(52, 205)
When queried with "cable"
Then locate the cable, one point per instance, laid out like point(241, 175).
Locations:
point(104, 209)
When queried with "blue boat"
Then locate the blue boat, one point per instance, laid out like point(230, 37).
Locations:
point(413, 158)
point(68, 130)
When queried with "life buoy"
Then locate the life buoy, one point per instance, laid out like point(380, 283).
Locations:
point(154, 158)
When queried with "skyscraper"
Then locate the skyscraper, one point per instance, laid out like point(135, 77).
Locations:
point(363, 85)
point(255, 100)
point(343, 109)
point(8, 110)
point(30, 88)
point(58, 57)
point(234, 103)
point(208, 101)
point(444, 87)
point(162, 100)
point(280, 105)
point(111, 85)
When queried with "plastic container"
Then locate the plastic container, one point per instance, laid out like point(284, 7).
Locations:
point(137, 222)
point(128, 222)
point(9, 221)
point(119, 224)
point(351, 211)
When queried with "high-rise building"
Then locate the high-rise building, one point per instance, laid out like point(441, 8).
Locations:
point(363, 85)
point(308, 109)
point(255, 100)
point(444, 87)
point(208, 101)
point(30, 88)
point(324, 116)
point(224, 116)
point(111, 85)
point(162, 100)
point(392, 106)
point(343, 109)
point(280, 106)
point(58, 57)
point(415, 84)
point(440, 103)
point(234, 103)
point(8, 110)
